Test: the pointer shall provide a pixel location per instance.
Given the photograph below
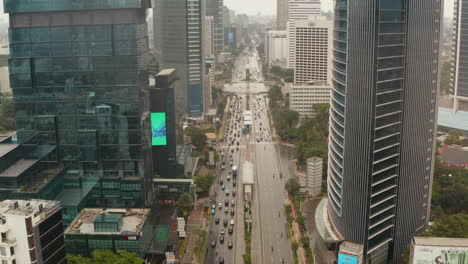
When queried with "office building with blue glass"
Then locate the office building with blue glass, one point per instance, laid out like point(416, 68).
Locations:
point(383, 122)
point(78, 72)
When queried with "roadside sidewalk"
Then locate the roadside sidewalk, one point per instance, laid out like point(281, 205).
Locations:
point(301, 253)
point(195, 222)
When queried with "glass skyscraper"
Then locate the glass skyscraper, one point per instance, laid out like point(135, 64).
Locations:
point(78, 71)
point(382, 122)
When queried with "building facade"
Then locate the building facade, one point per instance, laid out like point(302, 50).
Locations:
point(31, 232)
point(302, 98)
point(313, 50)
point(110, 229)
point(78, 71)
point(282, 7)
point(314, 176)
point(178, 29)
point(214, 8)
point(299, 9)
point(276, 47)
point(383, 122)
point(208, 34)
point(459, 68)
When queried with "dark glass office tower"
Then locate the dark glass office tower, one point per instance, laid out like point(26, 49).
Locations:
point(382, 124)
point(178, 44)
point(78, 72)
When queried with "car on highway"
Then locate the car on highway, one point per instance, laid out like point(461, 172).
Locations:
point(221, 260)
point(234, 193)
point(227, 192)
point(213, 243)
point(213, 206)
point(226, 202)
point(228, 178)
point(225, 222)
point(234, 183)
point(230, 229)
point(223, 187)
point(226, 210)
point(221, 238)
point(230, 245)
point(232, 211)
point(213, 211)
point(217, 220)
point(220, 206)
point(233, 202)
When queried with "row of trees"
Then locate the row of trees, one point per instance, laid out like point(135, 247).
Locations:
point(283, 73)
point(106, 257)
point(7, 115)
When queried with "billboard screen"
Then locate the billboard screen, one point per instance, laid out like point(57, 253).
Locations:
point(158, 129)
point(443, 255)
point(230, 37)
point(345, 259)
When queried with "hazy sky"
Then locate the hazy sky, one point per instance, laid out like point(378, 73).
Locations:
point(268, 6)
point(262, 6)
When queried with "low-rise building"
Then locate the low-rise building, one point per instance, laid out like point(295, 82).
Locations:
point(109, 229)
point(438, 250)
point(31, 231)
point(314, 176)
point(302, 98)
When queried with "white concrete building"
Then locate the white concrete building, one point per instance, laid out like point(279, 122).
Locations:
point(276, 47)
point(31, 232)
point(303, 97)
point(299, 9)
point(313, 50)
point(208, 37)
point(314, 176)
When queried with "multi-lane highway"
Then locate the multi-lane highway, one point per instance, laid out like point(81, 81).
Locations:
point(270, 242)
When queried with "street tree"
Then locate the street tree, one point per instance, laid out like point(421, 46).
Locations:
point(292, 186)
point(455, 225)
point(106, 257)
point(185, 201)
point(204, 182)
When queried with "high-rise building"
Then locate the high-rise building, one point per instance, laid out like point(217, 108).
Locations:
point(78, 71)
point(178, 29)
point(215, 9)
point(312, 70)
point(208, 34)
point(299, 9)
point(459, 69)
point(314, 176)
point(31, 232)
point(281, 14)
point(313, 50)
point(276, 47)
point(383, 122)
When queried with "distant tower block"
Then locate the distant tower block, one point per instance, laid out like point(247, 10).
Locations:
point(314, 176)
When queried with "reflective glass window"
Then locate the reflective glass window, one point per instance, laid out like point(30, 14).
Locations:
point(390, 62)
point(63, 64)
point(125, 47)
point(88, 153)
point(390, 51)
point(68, 138)
point(19, 65)
point(101, 32)
point(20, 50)
point(45, 123)
point(20, 80)
point(82, 64)
point(42, 64)
point(392, 16)
point(78, 33)
point(392, 4)
point(62, 78)
point(391, 39)
point(40, 34)
point(61, 48)
point(19, 35)
point(391, 28)
point(69, 152)
point(80, 48)
point(100, 48)
point(125, 32)
point(41, 49)
point(60, 33)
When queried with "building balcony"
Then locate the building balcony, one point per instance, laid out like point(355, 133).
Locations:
point(10, 242)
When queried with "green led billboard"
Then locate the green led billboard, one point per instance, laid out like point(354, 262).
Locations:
point(158, 129)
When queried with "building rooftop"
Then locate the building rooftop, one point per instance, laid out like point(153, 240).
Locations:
point(5, 148)
point(18, 168)
point(455, 156)
point(453, 119)
point(125, 221)
point(440, 241)
point(28, 207)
